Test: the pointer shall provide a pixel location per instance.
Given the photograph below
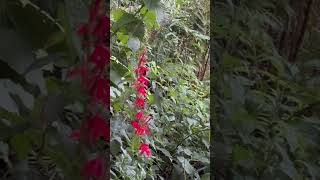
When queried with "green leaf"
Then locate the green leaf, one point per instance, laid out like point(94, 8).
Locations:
point(39, 63)
point(150, 19)
point(42, 24)
point(116, 14)
point(135, 143)
point(52, 85)
point(179, 2)
point(186, 165)
point(130, 25)
point(21, 145)
point(123, 37)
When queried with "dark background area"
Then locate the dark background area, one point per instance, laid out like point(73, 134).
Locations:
point(265, 89)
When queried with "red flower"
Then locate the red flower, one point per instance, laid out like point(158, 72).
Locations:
point(93, 128)
point(82, 29)
point(144, 149)
point(95, 168)
point(143, 80)
point(140, 129)
point(94, 10)
point(102, 28)
point(142, 59)
point(142, 70)
point(135, 124)
point(100, 57)
point(139, 102)
point(141, 90)
point(100, 90)
point(139, 115)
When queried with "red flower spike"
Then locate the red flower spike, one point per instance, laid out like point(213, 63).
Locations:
point(139, 102)
point(144, 149)
point(95, 168)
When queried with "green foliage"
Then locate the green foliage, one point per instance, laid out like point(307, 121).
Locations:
point(38, 107)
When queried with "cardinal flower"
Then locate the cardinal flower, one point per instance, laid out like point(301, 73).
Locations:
point(142, 70)
point(102, 28)
point(82, 29)
point(95, 168)
point(94, 10)
point(98, 128)
point(144, 149)
point(142, 59)
point(141, 90)
point(93, 128)
point(100, 57)
point(100, 90)
point(139, 102)
point(143, 80)
point(140, 129)
point(139, 115)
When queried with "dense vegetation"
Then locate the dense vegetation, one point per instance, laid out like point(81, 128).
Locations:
point(175, 34)
point(40, 106)
point(266, 89)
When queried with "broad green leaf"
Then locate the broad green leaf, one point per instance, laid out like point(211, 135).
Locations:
point(21, 145)
point(116, 14)
point(186, 165)
point(150, 19)
point(122, 37)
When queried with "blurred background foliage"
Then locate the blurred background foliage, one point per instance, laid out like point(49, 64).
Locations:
point(175, 34)
point(266, 89)
point(39, 107)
